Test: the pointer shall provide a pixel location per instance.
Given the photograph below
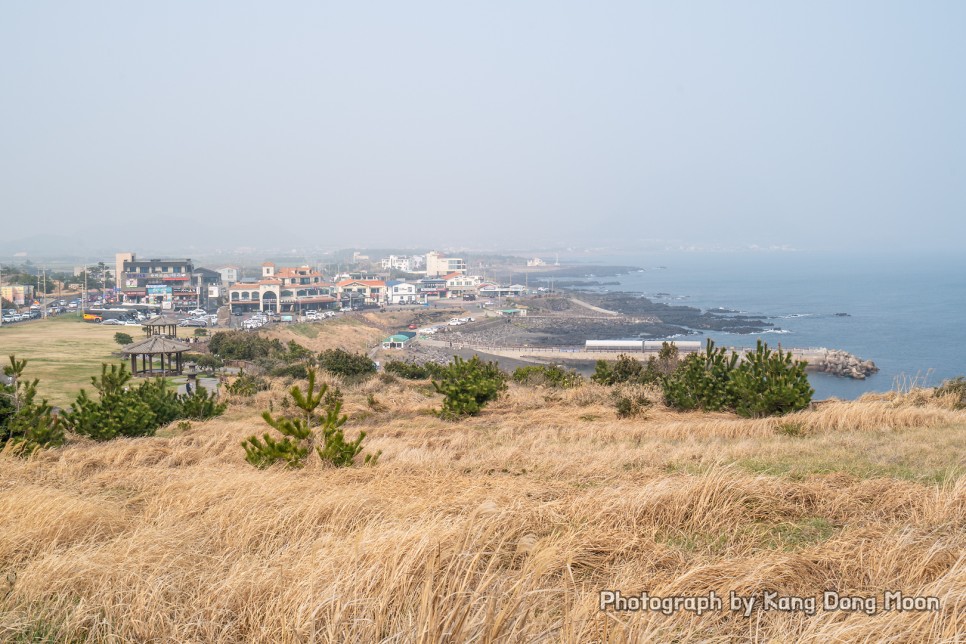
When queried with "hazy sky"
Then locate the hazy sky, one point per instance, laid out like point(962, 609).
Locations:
point(824, 125)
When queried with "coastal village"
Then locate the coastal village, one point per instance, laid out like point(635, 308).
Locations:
point(552, 325)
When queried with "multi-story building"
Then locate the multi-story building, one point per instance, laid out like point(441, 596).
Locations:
point(166, 283)
point(208, 283)
point(285, 289)
point(458, 284)
point(437, 265)
point(229, 275)
point(431, 288)
point(20, 295)
point(119, 259)
point(396, 262)
point(353, 292)
point(401, 293)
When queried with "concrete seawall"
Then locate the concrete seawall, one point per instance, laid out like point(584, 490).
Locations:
point(832, 361)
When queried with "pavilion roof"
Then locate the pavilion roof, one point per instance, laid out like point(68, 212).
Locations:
point(162, 320)
point(154, 345)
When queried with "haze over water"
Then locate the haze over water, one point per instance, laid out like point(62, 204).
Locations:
point(905, 311)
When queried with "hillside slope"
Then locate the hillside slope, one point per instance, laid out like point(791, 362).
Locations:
point(503, 527)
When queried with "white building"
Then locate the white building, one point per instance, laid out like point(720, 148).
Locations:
point(397, 262)
point(229, 275)
point(436, 264)
point(401, 293)
point(459, 285)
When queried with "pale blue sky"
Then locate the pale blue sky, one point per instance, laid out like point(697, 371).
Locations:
point(817, 125)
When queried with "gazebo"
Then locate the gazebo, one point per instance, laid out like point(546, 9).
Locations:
point(161, 325)
point(156, 345)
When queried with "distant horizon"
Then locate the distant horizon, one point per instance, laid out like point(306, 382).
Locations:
point(821, 126)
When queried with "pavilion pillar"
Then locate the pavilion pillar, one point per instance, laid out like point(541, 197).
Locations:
point(134, 364)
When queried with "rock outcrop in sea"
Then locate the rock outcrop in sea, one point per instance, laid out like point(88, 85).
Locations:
point(844, 364)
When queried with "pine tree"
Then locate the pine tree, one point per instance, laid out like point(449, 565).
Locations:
point(299, 434)
point(117, 411)
point(26, 425)
point(468, 386)
point(770, 383)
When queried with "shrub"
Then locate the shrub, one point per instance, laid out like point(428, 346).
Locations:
point(548, 376)
point(201, 404)
point(238, 345)
point(123, 338)
point(115, 412)
point(344, 363)
point(764, 383)
point(205, 361)
point(770, 383)
point(626, 370)
point(26, 425)
point(956, 388)
point(702, 381)
point(410, 370)
point(299, 371)
point(629, 404)
point(246, 384)
point(468, 386)
point(301, 434)
point(124, 410)
point(200, 333)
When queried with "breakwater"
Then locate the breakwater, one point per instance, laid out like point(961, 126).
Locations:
point(832, 361)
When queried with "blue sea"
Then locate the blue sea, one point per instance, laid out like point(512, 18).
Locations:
point(905, 312)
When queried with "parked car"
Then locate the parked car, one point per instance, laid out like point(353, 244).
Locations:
point(197, 312)
point(112, 322)
point(193, 322)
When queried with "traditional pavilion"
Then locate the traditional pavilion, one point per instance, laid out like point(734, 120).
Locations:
point(168, 349)
point(161, 325)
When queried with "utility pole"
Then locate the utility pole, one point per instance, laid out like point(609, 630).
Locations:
point(1, 296)
point(45, 292)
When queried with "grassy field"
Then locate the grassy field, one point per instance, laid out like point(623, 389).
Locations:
point(63, 352)
point(503, 527)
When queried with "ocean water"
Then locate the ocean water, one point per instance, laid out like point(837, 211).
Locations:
point(907, 313)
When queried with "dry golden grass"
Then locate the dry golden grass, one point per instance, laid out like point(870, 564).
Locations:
point(351, 332)
point(501, 528)
point(63, 352)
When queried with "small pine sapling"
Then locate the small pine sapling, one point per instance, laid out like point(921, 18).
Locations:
point(299, 433)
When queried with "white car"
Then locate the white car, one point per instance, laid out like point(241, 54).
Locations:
point(112, 323)
point(198, 312)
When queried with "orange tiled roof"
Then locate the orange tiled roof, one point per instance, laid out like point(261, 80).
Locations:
point(363, 282)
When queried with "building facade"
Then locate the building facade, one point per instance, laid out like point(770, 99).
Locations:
point(229, 275)
point(402, 293)
point(353, 292)
point(282, 290)
point(437, 265)
point(19, 295)
point(459, 285)
point(166, 283)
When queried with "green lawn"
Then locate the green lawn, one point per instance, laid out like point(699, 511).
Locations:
point(62, 352)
